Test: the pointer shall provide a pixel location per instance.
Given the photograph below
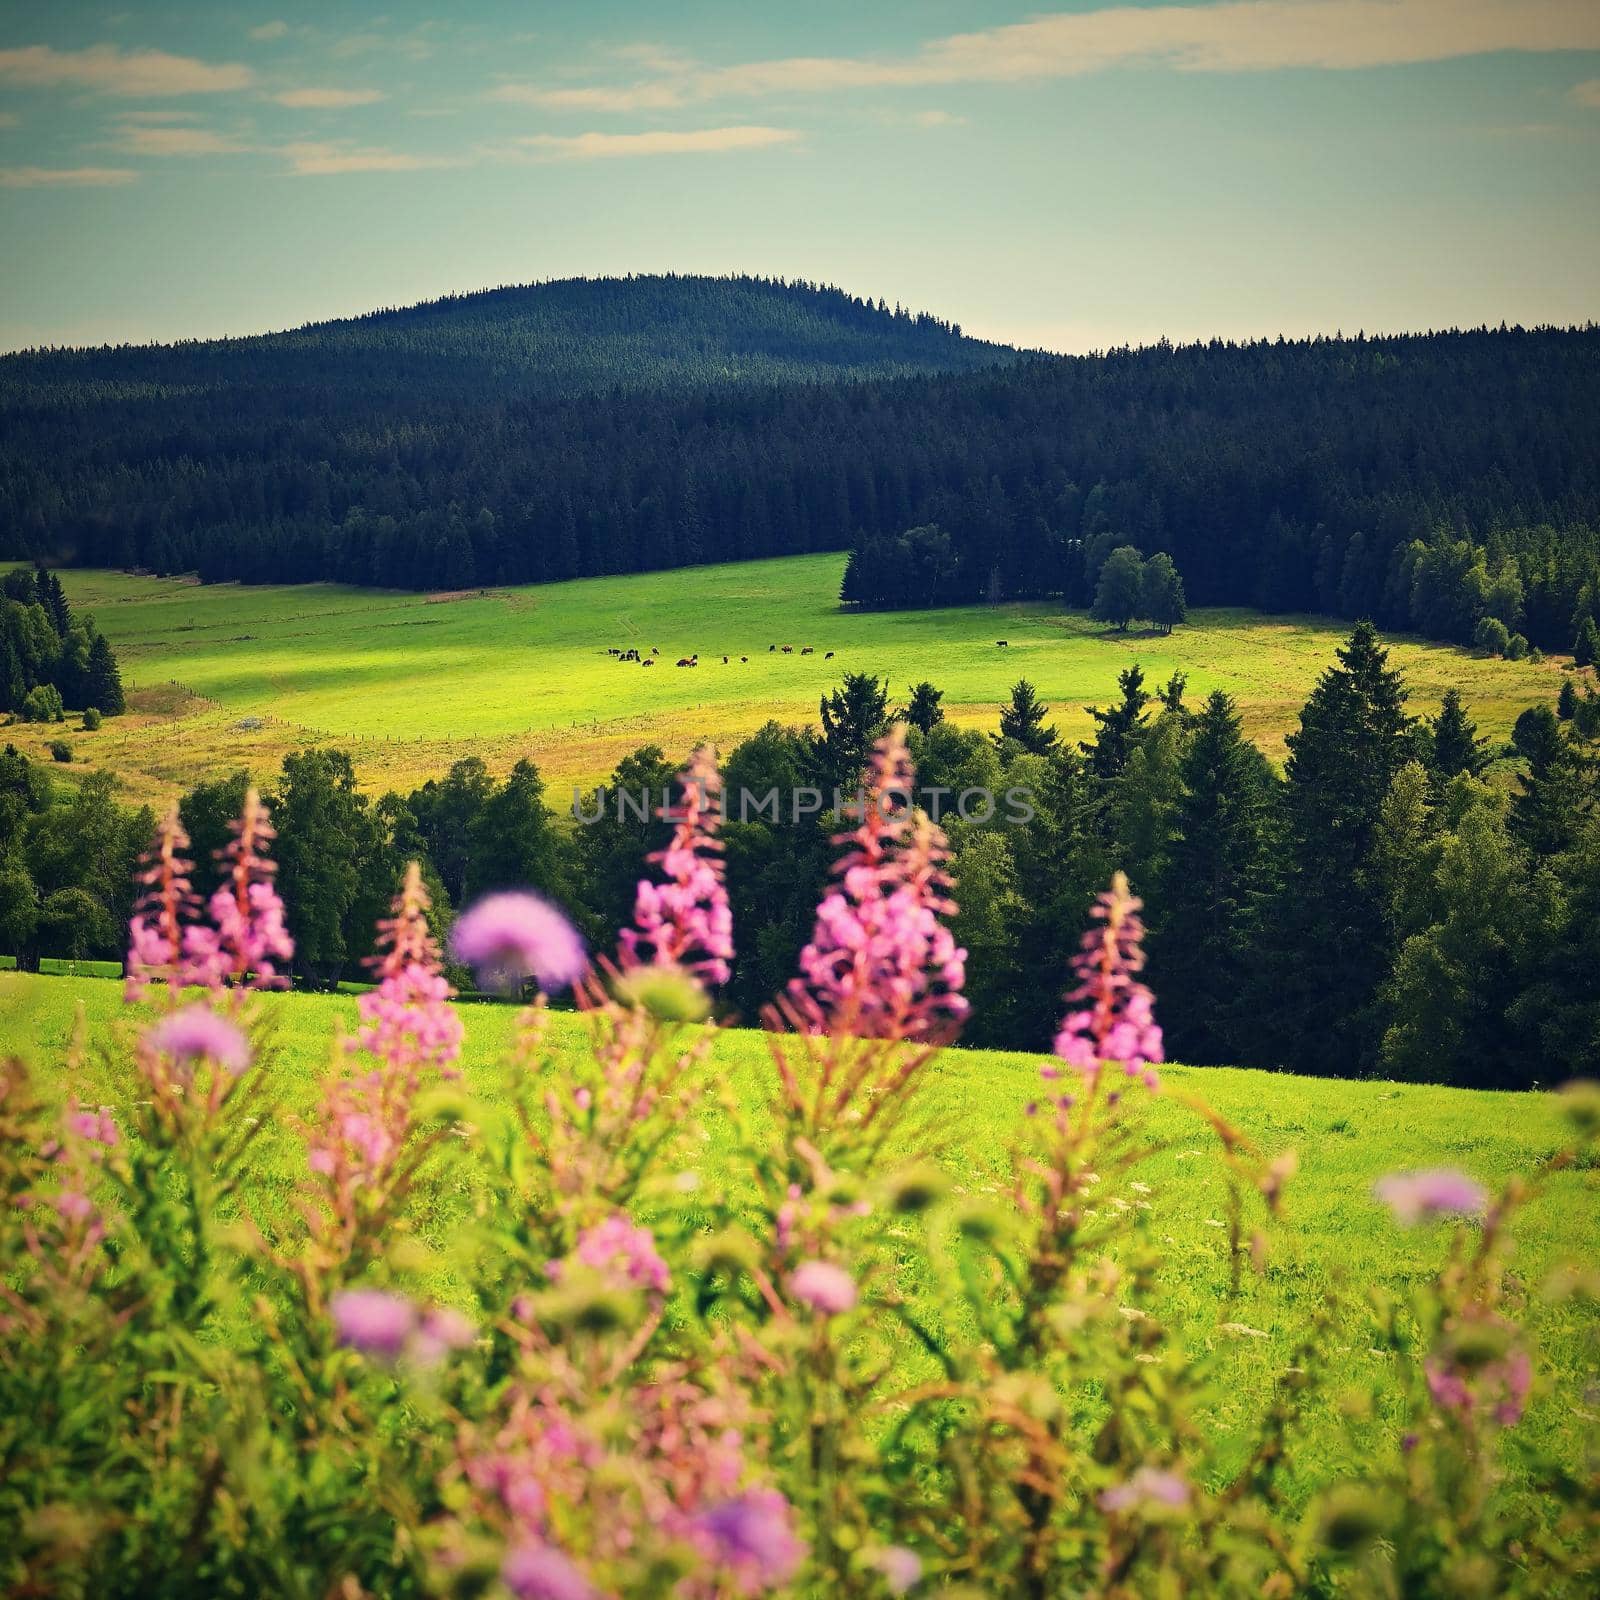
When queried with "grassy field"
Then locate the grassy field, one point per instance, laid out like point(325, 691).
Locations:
point(1347, 1135)
point(224, 676)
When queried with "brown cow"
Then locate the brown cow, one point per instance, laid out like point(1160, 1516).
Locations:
point(788, 649)
point(807, 651)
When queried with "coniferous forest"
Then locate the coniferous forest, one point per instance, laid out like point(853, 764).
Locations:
point(1447, 483)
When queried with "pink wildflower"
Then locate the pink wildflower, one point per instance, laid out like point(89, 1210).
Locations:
point(196, 1033)
point(1149, 1486)
point(251, 943)
point(623, 1253)
point(1438, 1191)
point(881, 964)
point(1110, 1013)
point(685, 921)
point(407, 1020)
point(539, 1571)
point(1477, 1367)
point(508, 937)
point(901, 1568)
point(373, 1322)
point(157, 929)
point(440, 1331)
point(824, 1287)
point(96, 1127)
point(753, 1538)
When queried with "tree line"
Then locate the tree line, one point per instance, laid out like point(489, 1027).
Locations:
point(51, 661)
point(1400, 899)
point(1427, 481)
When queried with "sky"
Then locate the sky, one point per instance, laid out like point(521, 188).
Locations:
point(1072, 178)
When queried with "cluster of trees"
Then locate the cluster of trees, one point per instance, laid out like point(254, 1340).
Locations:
point(1401, 899)
point(50, 660)
point(1426, 481)
point(1128, 586)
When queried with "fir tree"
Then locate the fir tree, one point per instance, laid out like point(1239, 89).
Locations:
point(1023, 721)
point(853, 718)
point(1566, 701)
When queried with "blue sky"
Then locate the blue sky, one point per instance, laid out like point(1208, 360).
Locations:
point(1075, 177)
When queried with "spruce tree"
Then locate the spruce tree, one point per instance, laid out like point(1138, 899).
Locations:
point(1555, 797)
point(1454, 745)
point(923, 710)
point(854, 717)
point(1327, 948)
point(1023, 721)
point(1215, 871)
point(1586, 646)
point(1567, 700)
point(102, 686)
point(1118, 728)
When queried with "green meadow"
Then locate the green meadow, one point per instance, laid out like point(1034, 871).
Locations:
point(222, 676)
point(1335, 1242)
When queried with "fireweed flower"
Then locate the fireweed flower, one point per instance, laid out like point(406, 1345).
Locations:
point(197, 1034)
point(507, 937)
point(752, 1537)
point(901, 1568)
point(538, 1571)
point(407, 1021)
point(622, 1253)
point(881, 964)
point(251, 942)
point(685, 921)
point(824, 1287)
point(157, 929)
point(375, 1323)
point(1149, 1486)
point(1439, 1191)
point(1110, 1014)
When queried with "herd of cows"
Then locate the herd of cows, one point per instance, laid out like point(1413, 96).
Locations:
point(648, 658)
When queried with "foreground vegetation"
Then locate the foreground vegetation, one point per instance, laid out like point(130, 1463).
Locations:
point(221, 677)
point(630, 1319)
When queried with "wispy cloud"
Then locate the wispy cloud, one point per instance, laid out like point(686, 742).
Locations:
point(269, 31)
point(326, 159)
point(144, 139)
point(327, 99)
point(664, 142)
point(105, 69)
point(1587, 93)
point(157, 116)
point(65, 177)
point(1230, 36)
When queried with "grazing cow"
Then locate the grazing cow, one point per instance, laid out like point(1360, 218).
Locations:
point(724, 661)
point(613, 652)
point(807, 651)
point(1002, 644)
point(771, 648)
point(829, 656)
point(647, 662)
point(744, 658)
point(788, 649)
point(655, 649)
point(684, 661)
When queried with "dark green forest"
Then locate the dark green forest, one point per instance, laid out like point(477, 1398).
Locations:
point(1441, 482)
point(1402, 899)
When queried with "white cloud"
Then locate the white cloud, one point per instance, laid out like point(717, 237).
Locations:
point(1230, 36)
point(108, 70)
point(269, 31)
point(1587, 93)
point(665, 142)
point(324, 159)
point(327, 99)
point(65, 177)
point(140, 139)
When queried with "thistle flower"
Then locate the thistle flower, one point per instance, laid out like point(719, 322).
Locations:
point(407, 1021)
point(196, 1033)
point(1110, 1014)
point(824, 1287)
point(507, 937)
point(1149, 1486)
point(880, 963)
point(538, 1571)
point(685, 921)
point(1438, 1191)
point(752, 1537)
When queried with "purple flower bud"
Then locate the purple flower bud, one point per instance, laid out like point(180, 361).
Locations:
point(824, 1287)
point(505, 938)
point(198, 1034)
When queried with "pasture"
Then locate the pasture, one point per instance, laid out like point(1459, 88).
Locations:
point(223, 676)
point(1337, 1240)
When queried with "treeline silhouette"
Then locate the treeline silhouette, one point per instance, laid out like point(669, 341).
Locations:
point(579, 428)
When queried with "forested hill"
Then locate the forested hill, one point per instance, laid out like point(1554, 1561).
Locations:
point(1427, 481)
point(571, 336)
